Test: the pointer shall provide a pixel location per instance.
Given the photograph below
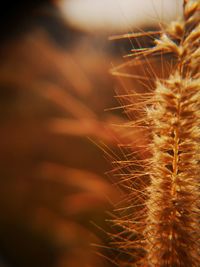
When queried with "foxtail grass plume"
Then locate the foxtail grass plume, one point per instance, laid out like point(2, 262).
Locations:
point(166, 226)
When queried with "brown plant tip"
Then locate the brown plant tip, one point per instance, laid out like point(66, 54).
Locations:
point(167, 227)
point(172, 226)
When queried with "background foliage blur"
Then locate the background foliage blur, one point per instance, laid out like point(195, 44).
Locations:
point(54, 88)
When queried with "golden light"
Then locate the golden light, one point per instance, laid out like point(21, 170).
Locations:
point(119, 15)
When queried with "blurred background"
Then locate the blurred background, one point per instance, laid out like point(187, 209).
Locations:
point(60, 133)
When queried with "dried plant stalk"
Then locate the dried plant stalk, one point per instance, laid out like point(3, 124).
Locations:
point(167, 229)
point(172, 231)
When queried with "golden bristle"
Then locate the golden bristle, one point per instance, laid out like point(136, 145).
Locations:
point(166, 226)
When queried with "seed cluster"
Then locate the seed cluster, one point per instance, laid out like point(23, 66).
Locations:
point(172, 231)
point(168, 229)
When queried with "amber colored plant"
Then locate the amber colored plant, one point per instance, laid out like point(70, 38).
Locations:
point(51, 175)
point(164, 221)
